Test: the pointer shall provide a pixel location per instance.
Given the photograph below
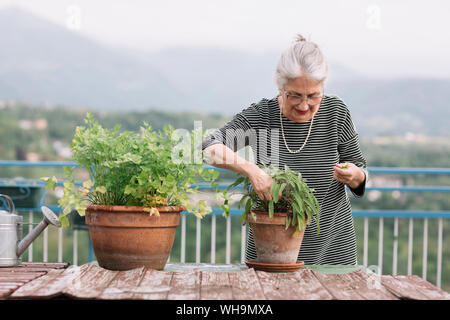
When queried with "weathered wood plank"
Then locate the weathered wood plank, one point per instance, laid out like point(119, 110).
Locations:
point(299, 285)
point(22, 269)
point(339, 285)
point(270, 285)
point(428, 289)
point(35, 267)
point(90, 283)
point(6, 291)
point(21, 275)
point(402, 289)
point(185, 286)
point(49, 265)
point(10, 280)
point(123, 285)
point(309, 287)
point(245, 285)
point(6, 288)
point(50, 285)
point(215, 286)
point(155, 285)
point(6, 283)
point(413, 287)
point(368, 286)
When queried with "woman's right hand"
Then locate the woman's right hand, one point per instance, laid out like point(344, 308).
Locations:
point(261, 183)
point(221, 156)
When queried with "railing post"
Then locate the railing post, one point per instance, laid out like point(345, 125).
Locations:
point(213, 238)
point(243, 242)
point(30, 228)
point(183, 238)
point(380, 245)
point(228, 240)
point(410, 245)
point(75, 247)
point(197, 241)
point(60, 244)
point(366, 241)
point(425, 248)
point(394, 254)
point(439, 254)
point(45, 253)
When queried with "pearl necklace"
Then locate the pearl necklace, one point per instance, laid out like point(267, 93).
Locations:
point(284, 138)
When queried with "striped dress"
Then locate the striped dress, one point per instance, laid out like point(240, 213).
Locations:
point(333, 139)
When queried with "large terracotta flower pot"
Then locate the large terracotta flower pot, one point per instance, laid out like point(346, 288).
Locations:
point(274, 244)
point(126, 237)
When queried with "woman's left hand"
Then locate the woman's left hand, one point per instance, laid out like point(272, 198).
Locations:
point(349, 174)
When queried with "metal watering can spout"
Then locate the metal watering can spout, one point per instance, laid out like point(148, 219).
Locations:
point(12, 245)
point(49, 218)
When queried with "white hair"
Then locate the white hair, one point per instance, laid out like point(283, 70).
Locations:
point(302, 58)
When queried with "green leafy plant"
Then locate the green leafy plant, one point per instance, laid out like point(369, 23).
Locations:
point(296, 199)
point(149, 168)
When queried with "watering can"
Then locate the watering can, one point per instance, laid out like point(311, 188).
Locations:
point(12, 246)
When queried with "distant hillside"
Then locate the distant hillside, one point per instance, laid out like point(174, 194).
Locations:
point(397, 106)
point(46, 132)
point(45, 64)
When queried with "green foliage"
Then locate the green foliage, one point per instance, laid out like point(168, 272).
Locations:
point(150, 168)
point(290, 194)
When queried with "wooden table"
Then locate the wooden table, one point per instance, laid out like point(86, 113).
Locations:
point(208, 282)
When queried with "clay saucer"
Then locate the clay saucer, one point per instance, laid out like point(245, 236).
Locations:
point(275, 267)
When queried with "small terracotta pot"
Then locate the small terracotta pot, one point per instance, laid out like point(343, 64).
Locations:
point(274, 244)
point(126, 237)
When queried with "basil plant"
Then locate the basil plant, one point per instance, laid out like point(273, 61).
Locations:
point(290, 194)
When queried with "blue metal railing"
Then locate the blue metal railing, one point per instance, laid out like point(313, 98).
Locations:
point(356, 213)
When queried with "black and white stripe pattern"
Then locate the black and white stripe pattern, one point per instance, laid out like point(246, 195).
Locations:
point(333, 140)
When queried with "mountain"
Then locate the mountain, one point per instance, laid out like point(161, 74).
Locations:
point(43, 63)
point(221, 80)
point(397, 106)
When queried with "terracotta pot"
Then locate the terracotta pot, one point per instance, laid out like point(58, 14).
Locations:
point(274, 244)
point(126, 237)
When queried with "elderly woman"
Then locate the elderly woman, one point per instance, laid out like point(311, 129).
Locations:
point(311, 133)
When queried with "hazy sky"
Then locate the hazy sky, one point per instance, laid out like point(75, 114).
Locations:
point(391, 38)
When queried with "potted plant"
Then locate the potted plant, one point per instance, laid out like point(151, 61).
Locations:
point(140, 182)
point(278, 225)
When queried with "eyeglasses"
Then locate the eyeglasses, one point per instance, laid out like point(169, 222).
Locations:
point(296, 99)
